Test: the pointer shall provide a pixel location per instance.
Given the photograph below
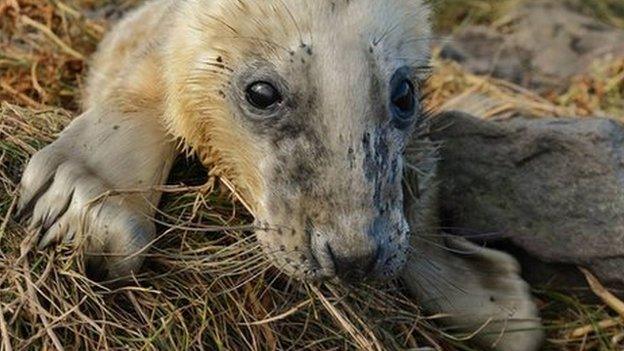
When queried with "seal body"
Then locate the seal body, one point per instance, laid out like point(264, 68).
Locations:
point(306, 109)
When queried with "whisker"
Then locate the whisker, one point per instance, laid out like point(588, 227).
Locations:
point(294, 21)
point(222, 22)
point(219, 65)
point(262, 40)
point(444, 248)
point(429, 38)
point(444, 278)
point(464, 234)
point(385, 34)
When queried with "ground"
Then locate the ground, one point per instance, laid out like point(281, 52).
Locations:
point(207, 286)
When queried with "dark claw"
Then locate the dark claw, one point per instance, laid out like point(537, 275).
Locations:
point(45, 221)
point(18, 216)
point(50, 219)
point(20, 210)
point(40, 235)
point(25, 207)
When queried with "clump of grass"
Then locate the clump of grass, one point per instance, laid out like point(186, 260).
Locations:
point(42, 52)
point(601, 90)
point(453, 87)
point(451, 14)
point(206, 283)
point(576, 325)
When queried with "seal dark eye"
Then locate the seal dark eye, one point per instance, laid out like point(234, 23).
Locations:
point(403, 101)
point(262, 95)
point(403, 97)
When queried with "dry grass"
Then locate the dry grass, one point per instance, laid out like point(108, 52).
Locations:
point(453, 13)
point(206, 285)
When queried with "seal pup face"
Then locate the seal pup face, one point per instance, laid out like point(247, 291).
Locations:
point(306, 107)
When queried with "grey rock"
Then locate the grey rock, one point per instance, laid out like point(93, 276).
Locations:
point(553, 188)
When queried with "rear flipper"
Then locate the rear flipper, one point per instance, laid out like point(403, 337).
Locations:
point(479, 291)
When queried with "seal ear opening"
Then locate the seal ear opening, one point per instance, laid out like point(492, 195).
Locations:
point(479, 292)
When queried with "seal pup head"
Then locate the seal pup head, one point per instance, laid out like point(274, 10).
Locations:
point(306, 108)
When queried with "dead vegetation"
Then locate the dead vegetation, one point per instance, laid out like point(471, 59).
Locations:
point(207, 286)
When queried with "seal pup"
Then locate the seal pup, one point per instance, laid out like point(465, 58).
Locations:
point(305, 108)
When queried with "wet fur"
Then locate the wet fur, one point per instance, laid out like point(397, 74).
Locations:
point(166, 80)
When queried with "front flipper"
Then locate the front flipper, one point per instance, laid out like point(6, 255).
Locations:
point(479, 291)
point(68, 188)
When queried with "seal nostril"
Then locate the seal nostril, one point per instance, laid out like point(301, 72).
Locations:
point(332, 256)
point(353, 267)
point(374, 259)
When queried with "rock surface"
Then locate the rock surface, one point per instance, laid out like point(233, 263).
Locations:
point(553, 188)
point(541, 45)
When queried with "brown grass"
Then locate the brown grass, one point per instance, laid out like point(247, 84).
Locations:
point(206, 286)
